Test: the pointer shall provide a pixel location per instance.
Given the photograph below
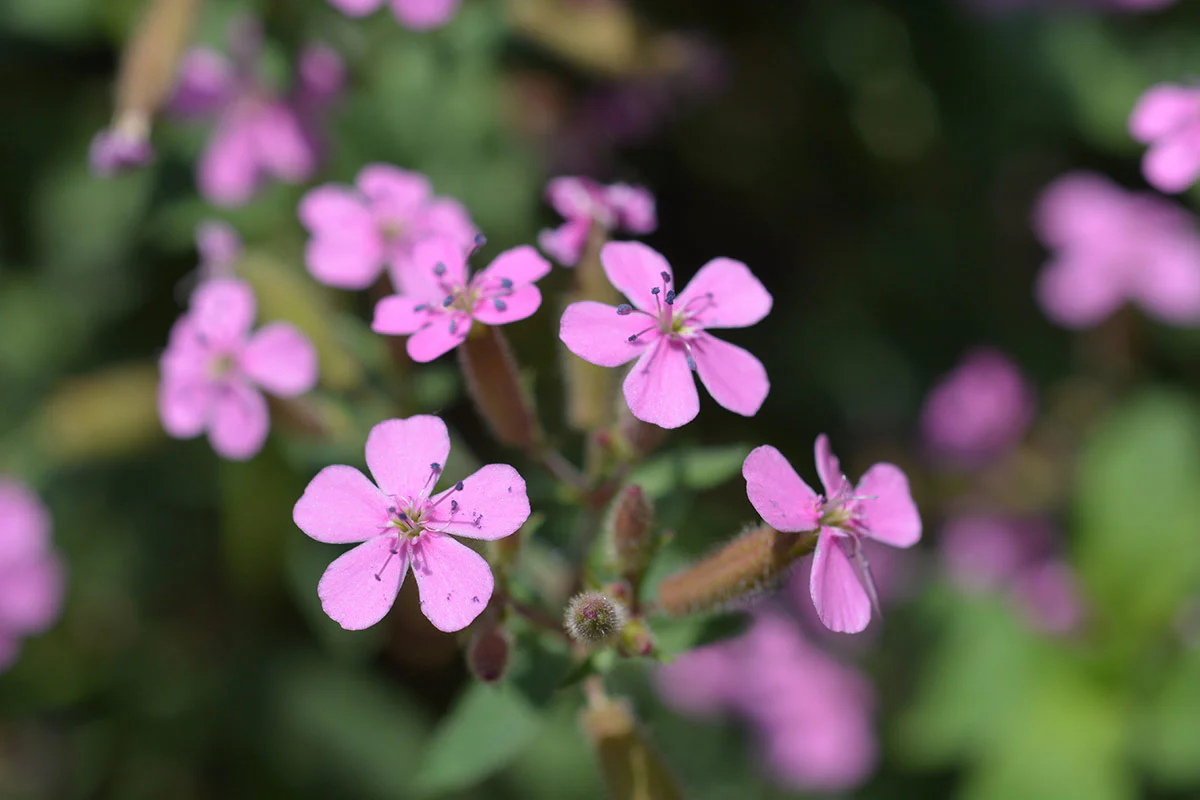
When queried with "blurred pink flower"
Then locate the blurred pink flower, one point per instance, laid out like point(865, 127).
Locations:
point(31, 573)
point(582, 203)
point(1109, 246)
point(258, 133)
point(1167, 118)
point(219, 247)
point(214, 370)
point(668, 334)
point(402, 523)
point(357, 231)
point(812, 714)
point(979, 410)
point(122, 147)
point(880, 507)
point(440, 303)
point(420, 15)
point(985, 552)
point(1049, 595)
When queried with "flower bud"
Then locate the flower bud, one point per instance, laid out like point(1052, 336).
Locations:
point(636, 439)
point(492, 380)
point(488, 653)
point(630, 767)
point(745, 566)
point(629, 530)
point(637, 639)
point(593, 618)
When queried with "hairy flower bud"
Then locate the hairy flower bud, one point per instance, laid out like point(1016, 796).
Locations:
point(630, 767)
point(593, 618)
point(637, 639)
point(488, 653)
point(492, 380)
point(630, 533)
point(745, 566)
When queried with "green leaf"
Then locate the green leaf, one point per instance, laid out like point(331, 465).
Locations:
point(488, 727)
point(1168, 740)
point(695, 468)
point(679, 635)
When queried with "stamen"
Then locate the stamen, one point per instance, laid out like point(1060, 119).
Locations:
point(435, 466)
point(454, 327)
point(665, 276)
point(633, 337)
point(506, 283)
point(392, 554)
point(449, 301)
point(655, 290)
point(439, 269)
point(624, 309)
point(670, 297)
point(691, 362)
point(419, 307)
point(500, 304)
point(458, 487)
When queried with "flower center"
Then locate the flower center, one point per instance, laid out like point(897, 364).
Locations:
point(220, 365)
point(676, 324)
point(392, 230)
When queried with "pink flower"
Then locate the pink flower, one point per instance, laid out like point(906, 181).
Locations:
point(1167, 118)
point(219, 247)
point(214, 370)
point(441, 302)
point(583, 202)
point(979, 410)
point(984, 552)
point(403, 523)
point(122, 147)
point(668, 334)
point(258, 134)
point(31, 573)
point(1110, 246)
point(357, 231)
point(420, 15)
point(880, 507)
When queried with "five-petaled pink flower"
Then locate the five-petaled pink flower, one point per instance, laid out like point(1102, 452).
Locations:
point(214, 369)
point(1110, 246)
point(403, 523)
point(258, 133)
point(439, 302)
point(880, 507)
point(668, 334)
point(1167, 118)
point(31, 573)
point(420, 15)
point(358, 230)
point(583, 202)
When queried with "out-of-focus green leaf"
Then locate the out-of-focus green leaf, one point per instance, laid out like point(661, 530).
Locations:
point(488, 727)
point(1167, 740)
point(695, 468)
point(258, 496)
point(680, 635)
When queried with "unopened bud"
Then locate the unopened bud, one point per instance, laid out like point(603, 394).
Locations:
point(631, 768)
point(748, 565)
point(630, 533)
point(488, 653)
point(593, 618)
point(635, 438)
point(637, 639)
point(492, 380)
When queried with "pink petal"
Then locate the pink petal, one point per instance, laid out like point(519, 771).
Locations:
point(24, 523)
point(31, 594)
point(455, 582)
point(573, 197)
point(184, 406)
point(737, 298)
point(240, 421)
point(635, 269)
point(400, 315)
point(1169, 284)
point(401, 454)
point(735, 379)
point(219, 247)
point(634, 207)
point(346, 250)
point(778, 494)
point(356, 8)
point(1161, 110)
point(660, 388)
point(446, 332)
point(187, 354)
point(1076, 294)
point(424, 15)
point(206, 83)
point(332, 208)
point(446, 217)
point(320, 75)
point(1173, 163)
point(222, 310)
point(281, 360)
point(360, 586)
point(491, 505)
point(566, 242)
point(521, 304)
point(840, 599)
point(828, 466)
point(519, 265)
point(228, 170)
point(341, 505)
point(522, 266)
point(890, 515)
point(395, 194)
point(422, 280)
point(597, 333)
point(1080, 207)
point(281, 146)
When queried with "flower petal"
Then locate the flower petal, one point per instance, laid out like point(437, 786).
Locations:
point(1078, 291)
point(660, 388)
point(24, 521)
point(1161, 110)
point(521, 304)
point(345, 250)
point(635, 269)
point(735, 378)
point(31, 594)
point(422, 15)
point(455, 582)
point(184, 406)
point(778, 494)
point(572, 196)
point(1080, 207)
point(729, 294)
point(443, 334)
point(491, 505)
point(222, 310)
point(1169, 285)
point(890, 515)
point(187, 354)
point(447, 217)
point(521, 265)
point(597, 333)
point(400, 315)
point(1172, 164)
point(341, 505)
point(331, 209)
point(633, 206)
point(837, 593)
point(281, 359)
point(281, 147)
point(205, 85)
point(228, 172)
point(566, 242)
point(360, 586)
point(429, 256)
point(240, 421)
point(401, 452)
point(395, 194)
point(828, 466)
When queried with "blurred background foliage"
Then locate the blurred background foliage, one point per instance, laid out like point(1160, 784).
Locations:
point(874, 161)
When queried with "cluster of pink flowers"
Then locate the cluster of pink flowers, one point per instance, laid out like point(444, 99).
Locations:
point(31, 572)
point(584, 203)
point(812, 714)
